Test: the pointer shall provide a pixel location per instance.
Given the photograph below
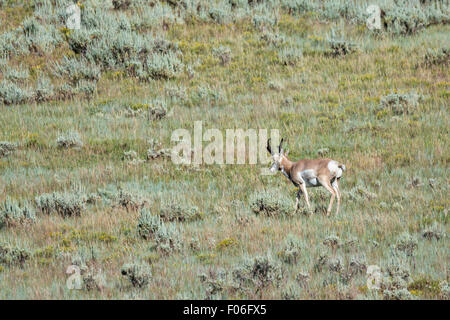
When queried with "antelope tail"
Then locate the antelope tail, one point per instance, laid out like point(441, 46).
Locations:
point(342, 166)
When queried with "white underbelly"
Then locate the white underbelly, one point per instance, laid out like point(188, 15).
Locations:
point(309, 177)
point(312, 182)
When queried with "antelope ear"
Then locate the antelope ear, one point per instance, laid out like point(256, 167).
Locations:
point(286, 153)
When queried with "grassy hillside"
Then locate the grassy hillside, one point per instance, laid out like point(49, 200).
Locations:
point(86, 116)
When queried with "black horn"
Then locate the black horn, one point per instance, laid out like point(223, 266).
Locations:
point(268, 146)
point(279, 147)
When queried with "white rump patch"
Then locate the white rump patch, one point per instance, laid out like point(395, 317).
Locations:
point(334, 169)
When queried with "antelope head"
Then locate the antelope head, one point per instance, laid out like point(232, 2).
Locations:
point(277, 157)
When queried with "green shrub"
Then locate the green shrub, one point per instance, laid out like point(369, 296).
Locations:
point(44, 90)
point(270, 203)
point(6, 148)
point(12, 212)
point(131, 201)
point(223, 54)
point(17, 75)
point(66, 204)
point(440, 57)
point(138, 274)
point(10, 93)
point(406, 243)
point(163, 66)
point(11, 255)
point(400, 103)
point(174, 211)
point(435, 231)
point(258, 272)
point(69, 140)
point(339, 45)
point(121, 4)
point(76, 69)
point(166, 236)
point(290, 56)
point(291, 249)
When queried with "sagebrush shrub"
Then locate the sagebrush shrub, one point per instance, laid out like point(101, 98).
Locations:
point(406, 243)
point(44, 90)
point(66, 204)
point(10, 93)
point(270, 203)
point(121, 4)
point(290, 56)
point(178, 211)
point(291, 249)
point(215, 281)
point(166, 236)
point(341, 47)
point(223, 54)
point(14, 212)
point(69, 140)
point(401, 103)
point(131, 201)
point(139, 274)
point(163, 66)
point(16, 75)
point(12, 255)
point(440, 57)
point(155, 150)
point(76, 69)
point(258, 272)
point(435, 231)
point(6, 148)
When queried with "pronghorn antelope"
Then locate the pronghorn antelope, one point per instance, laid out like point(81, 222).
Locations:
point(309, 173)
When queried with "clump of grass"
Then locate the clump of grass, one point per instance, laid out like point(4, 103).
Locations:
point(397, 294)
point(332, 241)
point(215, 281)
point(66, 204)
point(361, 193)
point(270, 203)
point(139, 274)
point(76, 69)
point(131, 201)
point(44, 90)
point(155, 150)
point(290, 56)
point(400, 103)
point(162, 66)
point(257, 273)
point(226, 243)
point(291, 249)
point(16, 75)
point(339, 46)
point(6, 148)
point(166, 236)
point(433, 232)
point(12, 255)
point(10, 93)
point(178, 211)
point(13, 212)
point(223, 54)
point(406, 243)
point(439, 57)
point(358, 265)
point(273, 39)
point(121, 4)
point(69, 140)
point(425, 285)
point(291, 292)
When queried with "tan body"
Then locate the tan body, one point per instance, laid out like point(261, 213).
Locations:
point(310, 173)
